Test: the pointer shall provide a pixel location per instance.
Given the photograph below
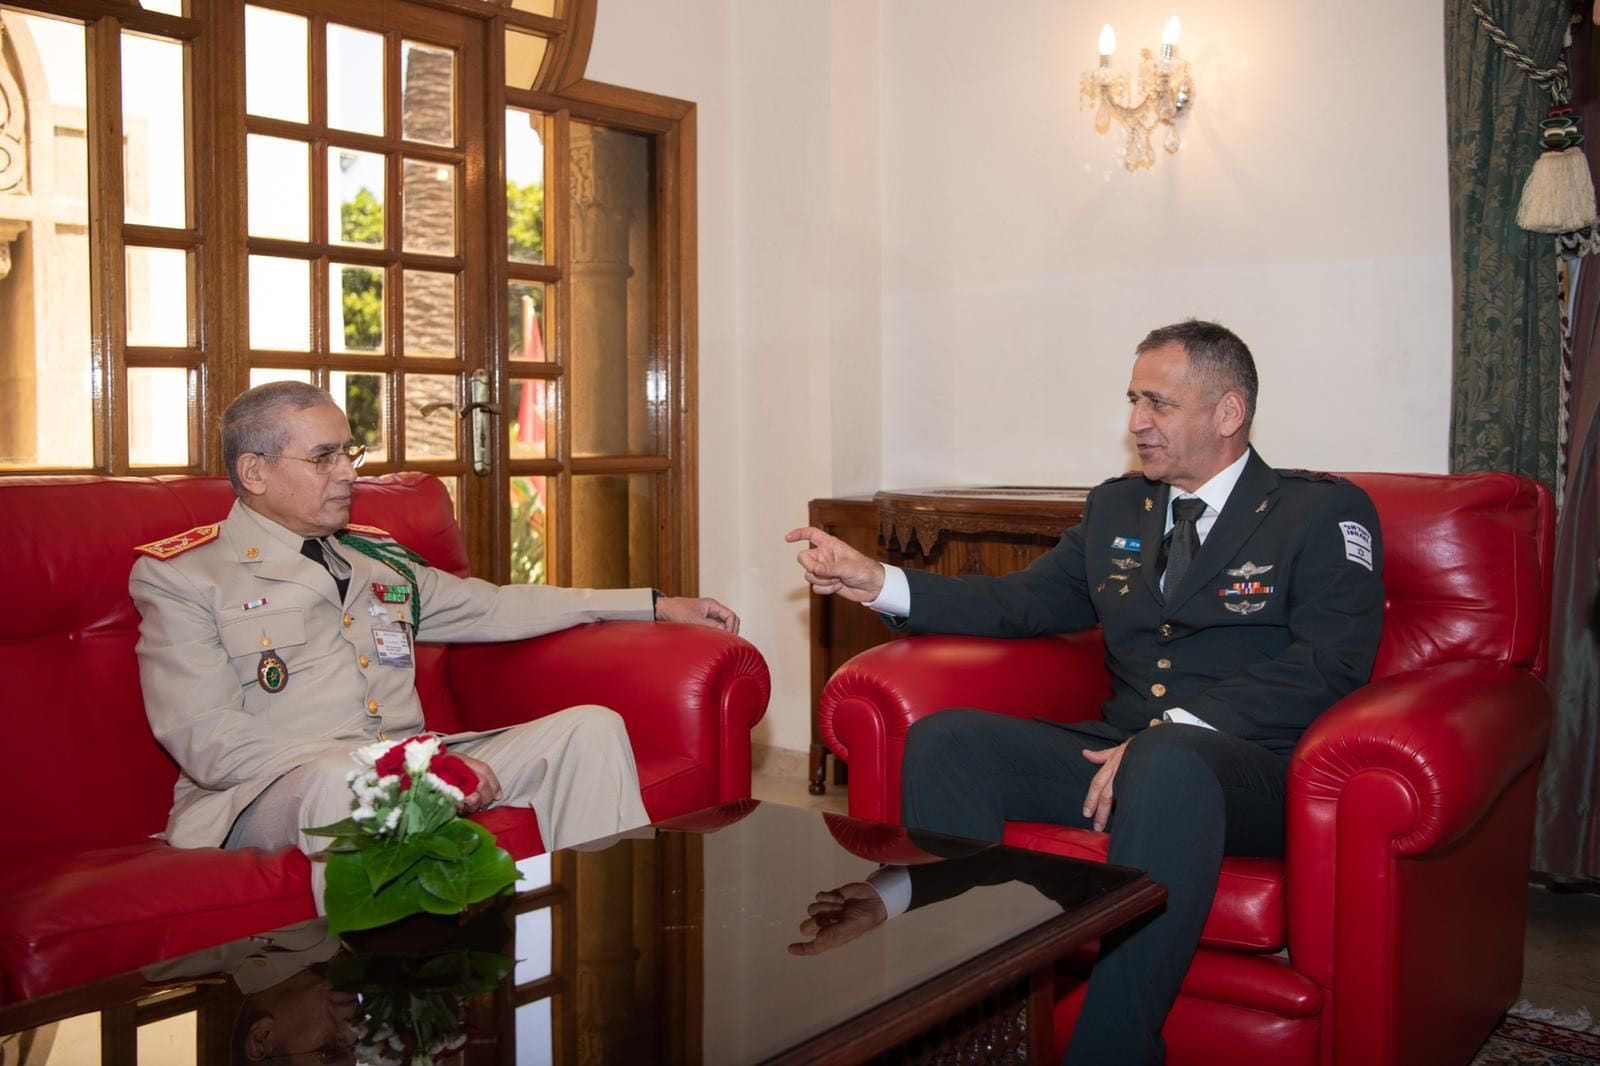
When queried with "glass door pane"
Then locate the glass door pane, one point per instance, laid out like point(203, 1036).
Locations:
point(617, 399)
point(363, 283)
point(46, 377)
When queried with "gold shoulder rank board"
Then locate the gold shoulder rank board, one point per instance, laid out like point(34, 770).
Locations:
point(172, 546)
point(369, 531)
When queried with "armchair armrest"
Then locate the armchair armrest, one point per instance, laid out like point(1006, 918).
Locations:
point(872, 700)
point(681, 689)
point(1419, 782)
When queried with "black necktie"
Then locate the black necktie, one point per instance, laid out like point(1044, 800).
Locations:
point(312, 549)
point(1185, 540)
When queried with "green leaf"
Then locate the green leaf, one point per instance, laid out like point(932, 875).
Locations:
point(489, 868)
point(436, 904)
point(387, 862)
point(440, 846)
point(468, 836)
point(351, 903)
point(447, 880)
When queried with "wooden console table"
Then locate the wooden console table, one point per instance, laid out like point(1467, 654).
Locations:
point(992, 529)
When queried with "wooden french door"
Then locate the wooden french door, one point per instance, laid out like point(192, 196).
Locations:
point(420, 205)
point(366, 274)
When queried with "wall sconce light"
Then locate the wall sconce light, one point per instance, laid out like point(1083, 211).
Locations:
point(1164, 92)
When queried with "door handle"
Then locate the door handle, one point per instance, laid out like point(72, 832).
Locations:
point(479, 409)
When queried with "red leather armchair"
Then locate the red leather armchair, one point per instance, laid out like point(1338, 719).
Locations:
point(85, 892)
point(1392, 932)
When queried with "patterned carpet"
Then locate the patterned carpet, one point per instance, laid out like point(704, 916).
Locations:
point(1532, 1037)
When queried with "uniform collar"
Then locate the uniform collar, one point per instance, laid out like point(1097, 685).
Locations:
point(1216, 491)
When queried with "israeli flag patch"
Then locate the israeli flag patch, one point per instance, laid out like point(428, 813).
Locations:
point(1357, 543)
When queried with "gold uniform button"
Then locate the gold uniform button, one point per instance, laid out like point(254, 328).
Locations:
point(1164, 664)
point(266, 642)
point(1158, 690)
point(372, 706)
point(366, 662)
point(382, 735)
point(1165, 630)
point(347, 621)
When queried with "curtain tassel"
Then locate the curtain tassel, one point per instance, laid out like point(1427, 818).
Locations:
point(1559, 194)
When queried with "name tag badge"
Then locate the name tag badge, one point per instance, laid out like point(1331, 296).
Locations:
point(393, 644)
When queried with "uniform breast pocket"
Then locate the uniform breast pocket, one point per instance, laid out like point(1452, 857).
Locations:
point(247, 639)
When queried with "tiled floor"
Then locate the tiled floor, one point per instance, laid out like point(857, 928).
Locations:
point(1561, 968)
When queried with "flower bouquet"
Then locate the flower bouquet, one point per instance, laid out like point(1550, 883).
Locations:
point(404, 850)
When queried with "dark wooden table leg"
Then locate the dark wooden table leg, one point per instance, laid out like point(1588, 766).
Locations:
point(818, 770)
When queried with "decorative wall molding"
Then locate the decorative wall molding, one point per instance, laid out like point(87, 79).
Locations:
point(13, 128)
point(10, 230)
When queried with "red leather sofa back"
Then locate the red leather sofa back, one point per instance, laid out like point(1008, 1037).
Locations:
point(82, 759)
point(1461, 573)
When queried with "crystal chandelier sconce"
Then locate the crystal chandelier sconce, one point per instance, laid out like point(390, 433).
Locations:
point(1165, 91)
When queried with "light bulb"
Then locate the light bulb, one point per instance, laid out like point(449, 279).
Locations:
point(1108, 40)
point(1169, 33)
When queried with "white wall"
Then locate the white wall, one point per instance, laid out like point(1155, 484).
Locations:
point(920, 265)
point(789, 284)
point(1307, 210)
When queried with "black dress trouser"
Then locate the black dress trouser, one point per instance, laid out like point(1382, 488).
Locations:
point(1184, 797)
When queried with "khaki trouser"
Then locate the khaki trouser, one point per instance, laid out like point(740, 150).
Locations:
point(574, 768)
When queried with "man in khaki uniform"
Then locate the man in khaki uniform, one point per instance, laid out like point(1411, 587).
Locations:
point(270, 649)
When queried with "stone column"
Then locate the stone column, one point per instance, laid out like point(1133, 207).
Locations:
point(603, 210)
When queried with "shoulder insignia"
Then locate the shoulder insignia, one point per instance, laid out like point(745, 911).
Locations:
point(369, 531)
point(174, 546)
point(1313, 475)
point(1130, 475)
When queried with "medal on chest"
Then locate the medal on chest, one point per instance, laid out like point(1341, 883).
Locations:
point(272, 673)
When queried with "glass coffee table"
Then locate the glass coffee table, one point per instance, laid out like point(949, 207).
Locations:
point(671, 945)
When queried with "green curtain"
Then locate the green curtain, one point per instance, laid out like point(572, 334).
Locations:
point(1507, 345)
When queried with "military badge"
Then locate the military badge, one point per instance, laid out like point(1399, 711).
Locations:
point(1246, 607)
point(391, 593)
point(272, 673)
point(1249, 570)
point(173, 546)
point(1127, 544)
point(1357, 543)
point(1123, 562)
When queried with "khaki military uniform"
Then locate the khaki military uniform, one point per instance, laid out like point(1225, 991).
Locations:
point(215, 600)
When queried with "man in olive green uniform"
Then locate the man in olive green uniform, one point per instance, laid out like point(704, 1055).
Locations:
point(274, 644)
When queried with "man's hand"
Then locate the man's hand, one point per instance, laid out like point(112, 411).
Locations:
point(488, 785)
point(1097, 802)
point(838, 917)
point(834, 568)
point(701, 611)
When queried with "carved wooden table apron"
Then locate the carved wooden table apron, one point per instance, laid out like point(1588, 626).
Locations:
point(991, 529)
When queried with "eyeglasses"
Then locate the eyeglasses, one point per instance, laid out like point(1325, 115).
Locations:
point(326, 461)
